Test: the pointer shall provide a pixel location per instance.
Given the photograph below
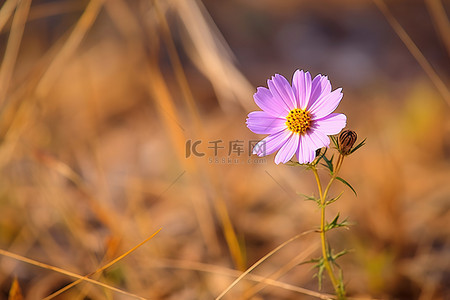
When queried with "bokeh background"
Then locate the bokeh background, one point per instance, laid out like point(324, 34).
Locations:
point(101, 103)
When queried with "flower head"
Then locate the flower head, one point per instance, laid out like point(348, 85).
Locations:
point(298, 118)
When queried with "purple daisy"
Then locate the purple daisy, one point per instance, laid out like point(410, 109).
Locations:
point(298, 118)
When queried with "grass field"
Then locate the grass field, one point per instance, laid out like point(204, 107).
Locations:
point(102, 101)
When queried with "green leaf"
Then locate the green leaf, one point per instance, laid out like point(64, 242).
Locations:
point(337, 255)
point(308, 166)
point(335, 141)
point(334, 257)
point(321, 156)
point(347, 184)
point(341, 286)
point(336, 224)
point(358, 146)
point(320, 268)
point(309, 198)
point(292, 163)
point(334, 199)
point(329, 164)
point(312, 261)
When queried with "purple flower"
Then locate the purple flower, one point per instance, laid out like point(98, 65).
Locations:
point(298, 118)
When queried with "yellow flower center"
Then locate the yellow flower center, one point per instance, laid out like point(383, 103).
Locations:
point(298, 120)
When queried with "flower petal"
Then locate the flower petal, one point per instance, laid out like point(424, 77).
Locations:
point(318, 138)
point(326, 104)
point(320, 87)
point(280, 88)
point(271, 143)
point(270, 104)
point(331, 124)
point(301, 83)
point(261, 122)
point(288, 149)
point(306, 151)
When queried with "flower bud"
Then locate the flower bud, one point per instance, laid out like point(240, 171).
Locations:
point(347, 139)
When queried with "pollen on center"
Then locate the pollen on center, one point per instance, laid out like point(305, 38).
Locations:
point(298, 120)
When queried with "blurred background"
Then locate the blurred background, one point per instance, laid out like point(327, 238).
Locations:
point(118, 118)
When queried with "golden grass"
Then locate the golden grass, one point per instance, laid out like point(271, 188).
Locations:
point(79, 277)
point(102, 268)
point(260, 261)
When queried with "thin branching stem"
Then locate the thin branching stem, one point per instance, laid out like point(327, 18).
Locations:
point(325, 253)
point(319, 185)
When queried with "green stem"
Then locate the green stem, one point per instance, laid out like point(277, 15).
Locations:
point(323, 196)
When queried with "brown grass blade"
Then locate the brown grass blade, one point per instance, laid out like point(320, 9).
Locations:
point(65, 272)
point(213, 57)
point(81, 28)
point(49, 9)
point(302, 256)
point(6, 12)
point(189, 265)
point(12, 47)
point(15, 293)
point(260, 261)
point(102, 268)
point(440, 19)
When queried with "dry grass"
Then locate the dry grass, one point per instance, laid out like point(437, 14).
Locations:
point(99, 98)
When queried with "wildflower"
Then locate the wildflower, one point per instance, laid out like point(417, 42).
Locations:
point(298, 118)
point(347, 139)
